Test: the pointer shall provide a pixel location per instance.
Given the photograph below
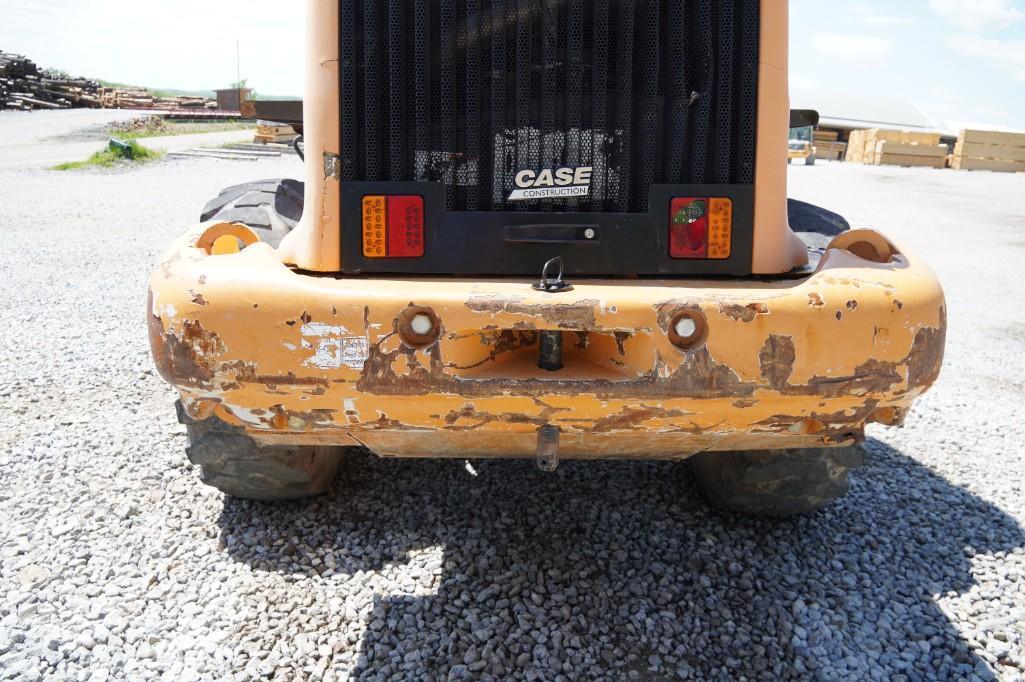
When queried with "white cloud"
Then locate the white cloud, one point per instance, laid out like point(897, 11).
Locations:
point(852, 46)
point(864, 13)
point(886, 20)
point(978, 15)
point(1008, 55)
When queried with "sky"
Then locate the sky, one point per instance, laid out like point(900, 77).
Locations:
point(959, 60)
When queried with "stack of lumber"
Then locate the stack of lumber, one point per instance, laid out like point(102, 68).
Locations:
point(185, 102)
point(894, 147)
point(24, 87)
point(889, 153)
point(140, 98)
point(831, 151)
point(126, 98)
point(828, 146)
point(856, 146)
point(269, 133)
point(989, 150)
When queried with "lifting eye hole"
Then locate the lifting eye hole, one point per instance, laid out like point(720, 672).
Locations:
point(418, 326)
point(688, 330)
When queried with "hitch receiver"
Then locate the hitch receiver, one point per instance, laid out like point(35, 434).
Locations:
point(548, 448)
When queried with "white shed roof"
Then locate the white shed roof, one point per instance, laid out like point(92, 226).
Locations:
point(859, 111)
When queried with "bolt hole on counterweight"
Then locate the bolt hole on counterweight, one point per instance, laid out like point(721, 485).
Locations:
point(688, 330)
point(418, 326)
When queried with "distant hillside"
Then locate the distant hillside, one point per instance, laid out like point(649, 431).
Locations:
point(171, 92)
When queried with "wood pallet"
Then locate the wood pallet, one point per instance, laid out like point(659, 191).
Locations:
point(989, 150)
point(273, 133)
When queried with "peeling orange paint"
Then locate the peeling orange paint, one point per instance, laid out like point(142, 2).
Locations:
point(297, 358)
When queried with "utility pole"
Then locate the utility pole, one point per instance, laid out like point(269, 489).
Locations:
point(238, 71)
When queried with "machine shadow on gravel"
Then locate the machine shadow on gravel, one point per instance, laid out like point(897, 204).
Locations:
point(621, 567)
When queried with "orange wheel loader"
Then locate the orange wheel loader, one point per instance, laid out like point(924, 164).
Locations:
point(549, 230)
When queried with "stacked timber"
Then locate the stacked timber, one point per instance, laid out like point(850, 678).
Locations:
point(856, 146)
point(889, 153)
point(271, 133)
point(126, 98)
point(140, 98)
point(830, 151)
point(828, 146)
point(826, 135)
point(990, 150)
point(895, 147)
point(25, 87)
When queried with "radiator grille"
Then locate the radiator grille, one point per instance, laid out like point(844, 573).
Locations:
point(470, 92)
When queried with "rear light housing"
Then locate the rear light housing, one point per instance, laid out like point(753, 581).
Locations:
point(701, 228)
point(393, 226)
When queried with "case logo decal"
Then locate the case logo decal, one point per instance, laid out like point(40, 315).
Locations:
point(552, 183)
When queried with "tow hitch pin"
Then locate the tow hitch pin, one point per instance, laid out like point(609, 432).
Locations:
point(548, 448)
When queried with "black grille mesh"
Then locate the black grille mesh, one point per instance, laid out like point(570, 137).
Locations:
point(469, 92)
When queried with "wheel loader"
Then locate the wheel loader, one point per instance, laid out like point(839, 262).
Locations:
point(545, 230)
point(801, 145)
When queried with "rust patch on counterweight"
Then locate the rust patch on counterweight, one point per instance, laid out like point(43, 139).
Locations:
point(185, 359)
point(778, 356)
point(776, 360)
point(743, 313)
point(697, 376)
point(633, 419)
point(579, 316)
point(926, 358)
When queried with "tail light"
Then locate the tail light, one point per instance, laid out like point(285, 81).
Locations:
point(701, 228)
point(393, 226)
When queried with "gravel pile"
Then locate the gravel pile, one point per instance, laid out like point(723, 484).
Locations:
point(116, 563)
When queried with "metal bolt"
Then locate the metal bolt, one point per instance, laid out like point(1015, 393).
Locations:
point(686, 327)
point(421, 324)
point(589, 233)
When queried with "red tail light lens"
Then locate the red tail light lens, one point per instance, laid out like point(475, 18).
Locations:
point(701, 228)
point(393, 227)
point(688, 228)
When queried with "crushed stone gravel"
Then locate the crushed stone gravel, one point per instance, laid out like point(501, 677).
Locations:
point(116, 563)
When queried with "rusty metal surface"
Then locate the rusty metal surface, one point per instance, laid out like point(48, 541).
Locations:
point(299, 358)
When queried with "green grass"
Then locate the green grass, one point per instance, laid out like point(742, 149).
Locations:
point(108, 158)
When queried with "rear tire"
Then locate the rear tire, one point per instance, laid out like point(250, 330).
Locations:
point(238, 466)
point(272, 207)
point(775, 482)
point(810, 161)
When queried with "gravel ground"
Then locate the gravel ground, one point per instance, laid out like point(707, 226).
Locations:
point(116, 563)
